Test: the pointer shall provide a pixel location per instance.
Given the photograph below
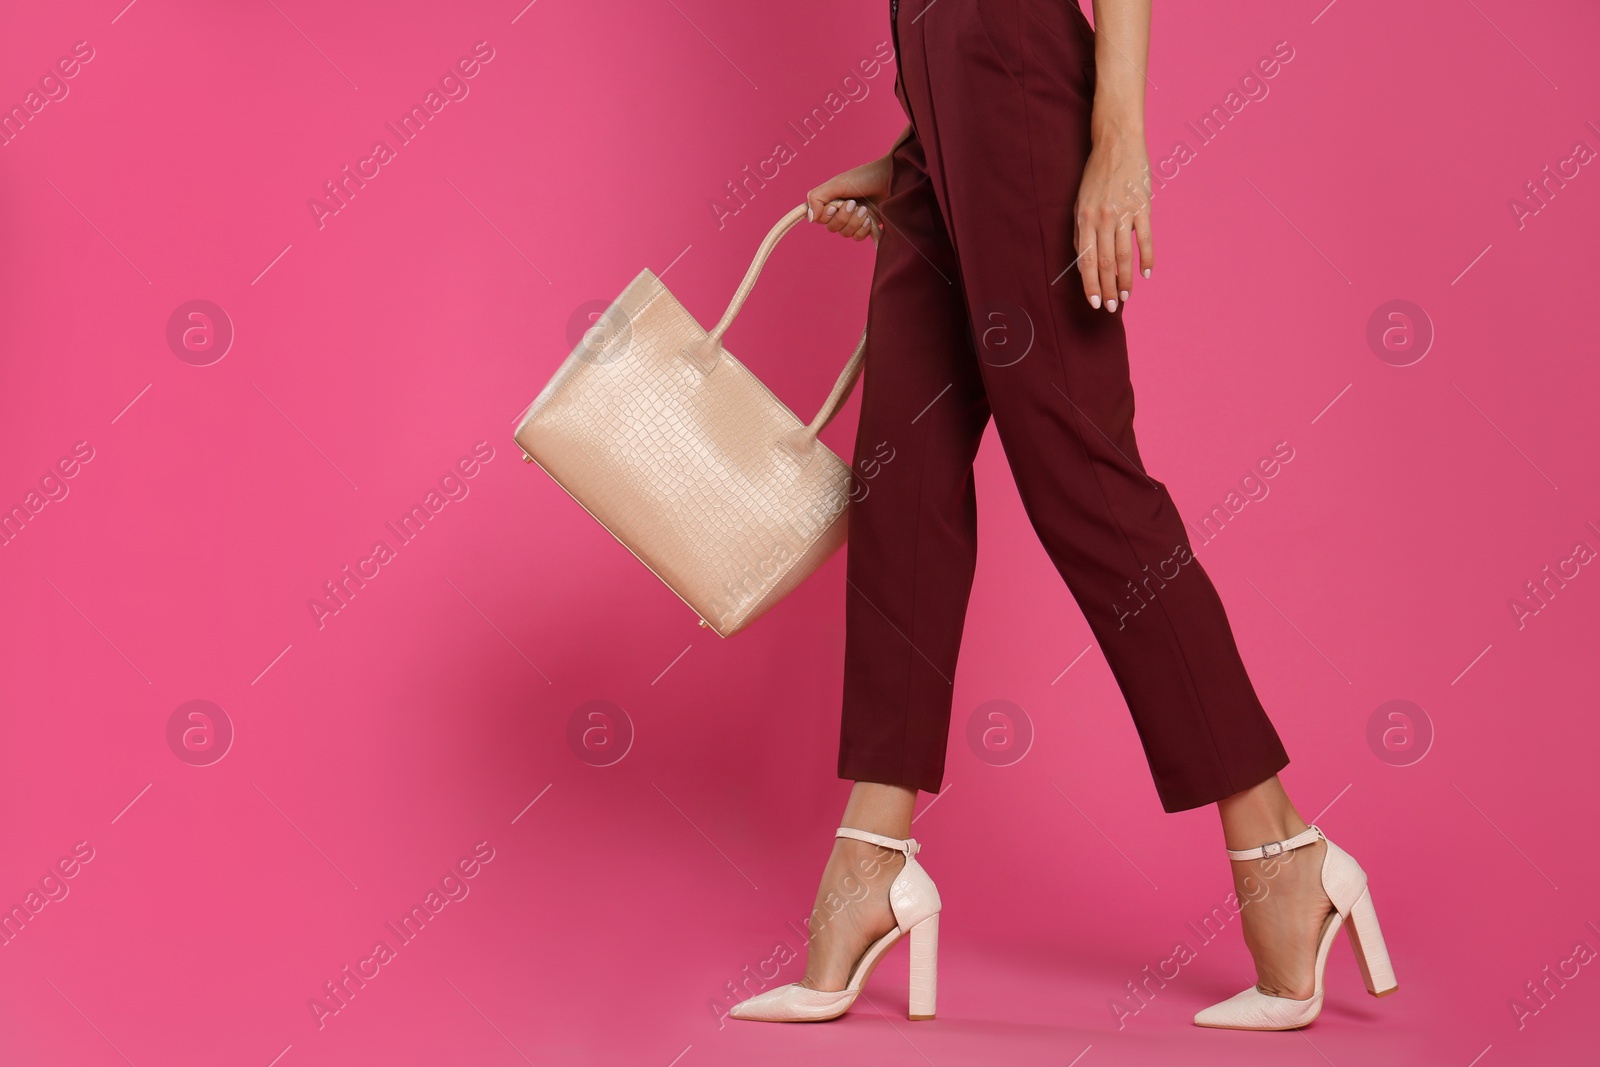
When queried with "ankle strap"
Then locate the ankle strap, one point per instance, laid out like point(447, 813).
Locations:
point(1277, 848)
point(909, 846)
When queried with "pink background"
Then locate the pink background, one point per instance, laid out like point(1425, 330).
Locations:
point(426, 716)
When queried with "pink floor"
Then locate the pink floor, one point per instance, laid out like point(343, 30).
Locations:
point(603, 873)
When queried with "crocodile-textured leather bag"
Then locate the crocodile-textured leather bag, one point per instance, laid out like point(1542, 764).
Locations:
point(687, 459)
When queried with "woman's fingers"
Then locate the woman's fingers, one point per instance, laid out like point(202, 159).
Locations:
point(1088, 262)
point(817, 201)
point(849, 219)
point(1147, 248)
point(861, 221)
point(843, 218)
point(1107, 264)
point(874, 226)
point(1106, 243)
point(1124, 239)
point(831, 205)
point(852, 213)
point(835, 191)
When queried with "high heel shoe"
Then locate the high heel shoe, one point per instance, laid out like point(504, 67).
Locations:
point(1346, 885)
point(915, 901)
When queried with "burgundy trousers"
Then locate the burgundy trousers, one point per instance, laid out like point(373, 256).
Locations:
point(977, 311)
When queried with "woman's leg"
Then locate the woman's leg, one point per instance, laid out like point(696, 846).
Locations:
point(1284, 902)
point(912, 550)
point(1013, 81)
point(852, 909)
point(913, 511)
point(1011, 85)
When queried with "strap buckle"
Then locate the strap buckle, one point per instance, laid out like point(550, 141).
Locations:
point(1274, 849)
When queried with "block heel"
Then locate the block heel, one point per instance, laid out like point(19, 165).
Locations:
point(1366, 937)
point(924, 968)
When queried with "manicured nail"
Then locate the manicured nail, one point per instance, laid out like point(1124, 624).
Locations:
point(810, 215)
point(1124, 296)
point(1111, 305)
point(1094, 301)
point(831, 209)
point(862, 210)
point(1147, 272)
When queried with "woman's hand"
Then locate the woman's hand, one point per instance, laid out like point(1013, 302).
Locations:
point(1113, 210)
point(847, 203)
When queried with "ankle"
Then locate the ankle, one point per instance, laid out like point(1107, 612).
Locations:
point(880, 809)
point(1259, 815)
point(865, 862)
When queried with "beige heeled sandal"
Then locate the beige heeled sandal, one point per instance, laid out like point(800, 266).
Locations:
point(1346, 885)
point(915, 901)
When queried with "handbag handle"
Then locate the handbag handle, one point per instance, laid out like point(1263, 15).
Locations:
point(801, 442)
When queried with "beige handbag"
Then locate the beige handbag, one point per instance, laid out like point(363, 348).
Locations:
point(679, 451)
